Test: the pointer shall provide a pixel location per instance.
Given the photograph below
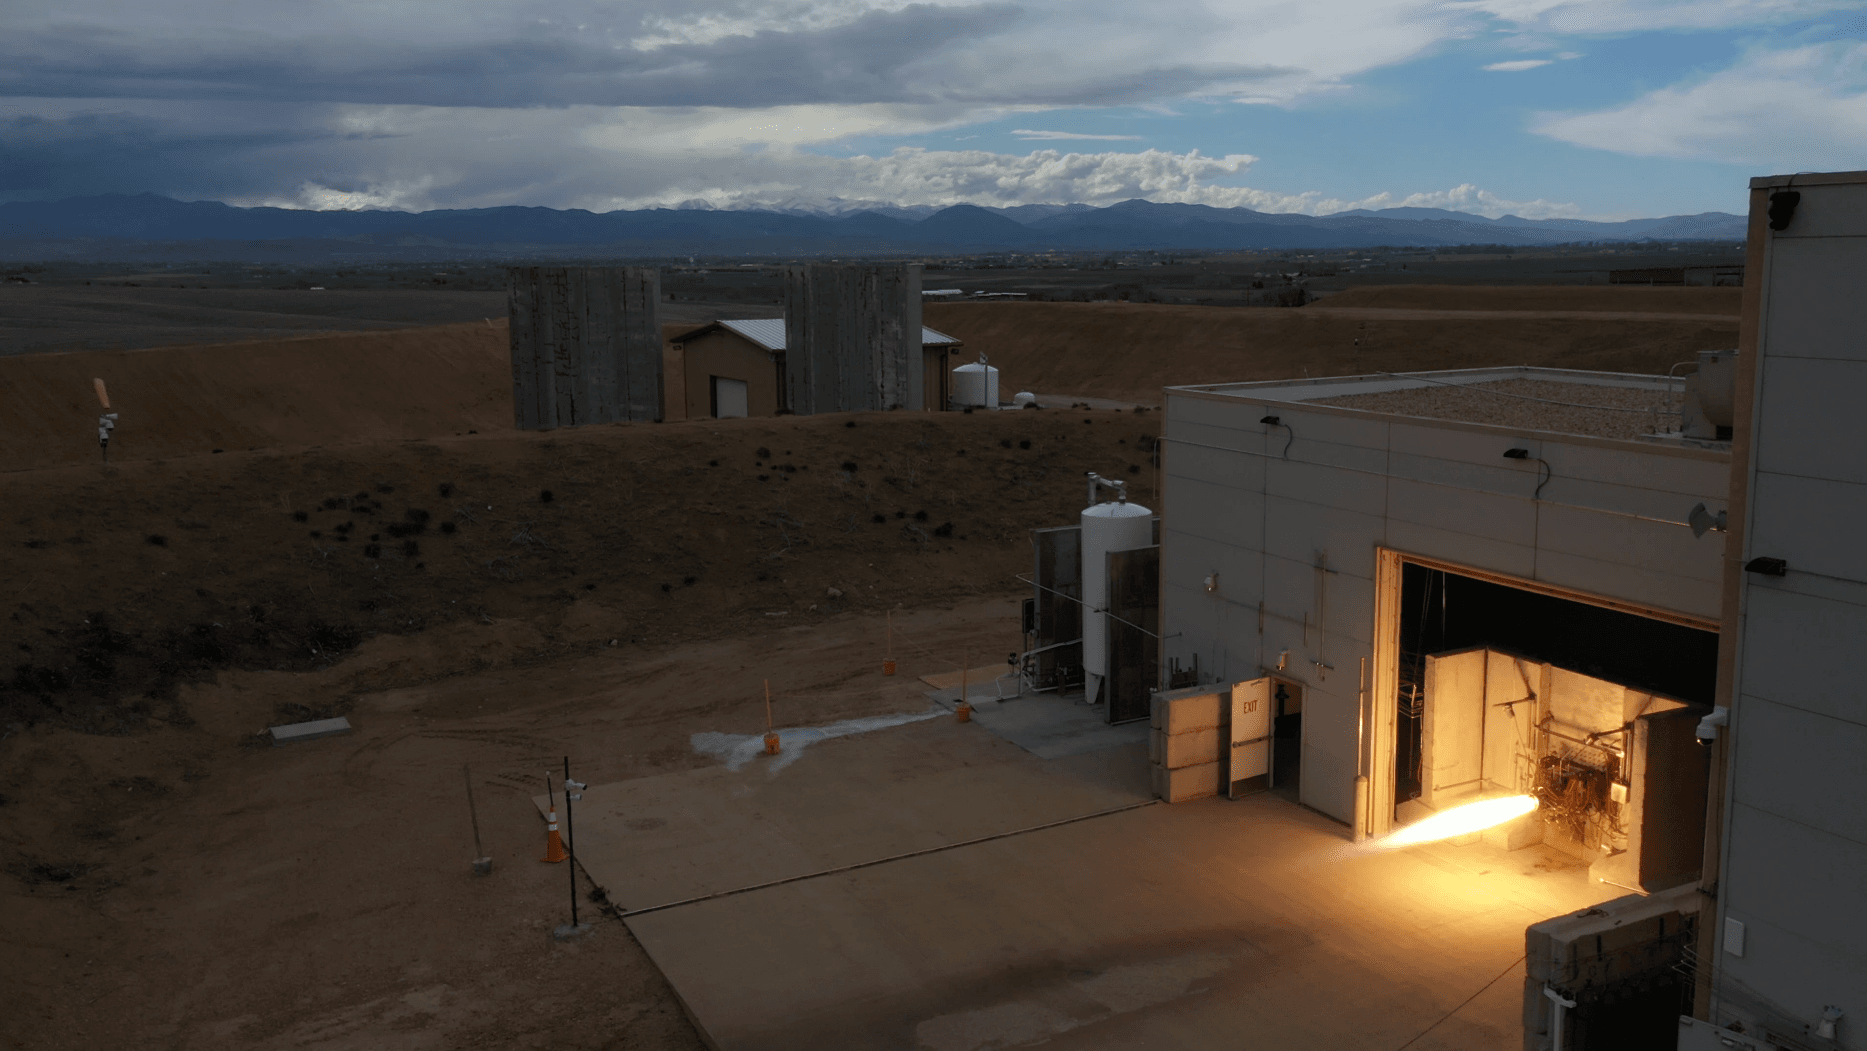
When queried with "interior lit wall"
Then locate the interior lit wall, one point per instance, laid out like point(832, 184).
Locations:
point(1351, 482)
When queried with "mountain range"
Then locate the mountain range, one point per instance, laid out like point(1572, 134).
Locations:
point(148, 226)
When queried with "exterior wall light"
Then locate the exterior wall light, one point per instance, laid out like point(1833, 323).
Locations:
point(1769, 567)
point(1212, 582)
point(1703, 521)
point(1707, 731)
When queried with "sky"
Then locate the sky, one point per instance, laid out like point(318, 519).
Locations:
point(1596, 109)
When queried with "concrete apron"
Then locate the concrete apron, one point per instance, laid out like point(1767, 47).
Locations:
point(1249, 924)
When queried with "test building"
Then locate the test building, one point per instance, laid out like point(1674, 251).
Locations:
point(1638, 599)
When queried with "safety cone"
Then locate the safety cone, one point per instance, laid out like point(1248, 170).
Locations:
point(554, 843)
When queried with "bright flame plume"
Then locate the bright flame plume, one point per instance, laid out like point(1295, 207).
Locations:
point(1472, 817)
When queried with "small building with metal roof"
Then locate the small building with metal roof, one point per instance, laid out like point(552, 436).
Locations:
point(736, 368)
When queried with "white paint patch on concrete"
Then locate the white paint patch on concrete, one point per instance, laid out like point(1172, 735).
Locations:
point(736, 750)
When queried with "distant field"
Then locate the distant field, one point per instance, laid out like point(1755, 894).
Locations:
point(57, 317)
point(1129, 351)
point(1642, 299)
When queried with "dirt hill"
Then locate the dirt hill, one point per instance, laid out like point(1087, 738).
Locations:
point(315, 390)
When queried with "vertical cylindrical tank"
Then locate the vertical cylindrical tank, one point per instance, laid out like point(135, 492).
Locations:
point(1106, 527)
point(976, 385)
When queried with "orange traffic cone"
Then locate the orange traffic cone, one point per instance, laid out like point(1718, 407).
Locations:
point(554, 843)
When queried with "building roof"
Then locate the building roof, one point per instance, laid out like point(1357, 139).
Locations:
point(1563, 401)
point(769, 333)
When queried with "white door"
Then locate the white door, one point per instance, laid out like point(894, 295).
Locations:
point(729, 397)
point(1249, 766)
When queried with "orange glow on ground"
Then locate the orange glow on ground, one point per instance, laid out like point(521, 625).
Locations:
point(1472, 817)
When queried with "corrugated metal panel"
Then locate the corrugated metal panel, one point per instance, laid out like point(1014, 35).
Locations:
point(1647, 545)
point(1636, 585)
point(1225, 513)
point(769, 333)
point(1133, 655)
point(1517, 560)
point(1477, 513)
point(1297, 530)
point(1813, 406)
point(766, 332)
point(1799, 879)
point(1782, 629)
point(1788, 761)
point(1811, 522)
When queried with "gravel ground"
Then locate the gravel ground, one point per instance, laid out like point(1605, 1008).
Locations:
point(1603, 412)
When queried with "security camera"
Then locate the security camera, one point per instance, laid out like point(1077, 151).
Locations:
point(1707, 731)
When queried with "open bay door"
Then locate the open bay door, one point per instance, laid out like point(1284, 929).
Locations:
point(1248, 769)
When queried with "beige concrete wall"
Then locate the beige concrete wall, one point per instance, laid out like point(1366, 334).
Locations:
point(673, 382)
point(725, 353)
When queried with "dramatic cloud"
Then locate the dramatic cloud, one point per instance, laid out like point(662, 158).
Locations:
point(1052, 136)
point(1794, 109)
point(1594, 17)
point(1469, 198)
point(607, 103)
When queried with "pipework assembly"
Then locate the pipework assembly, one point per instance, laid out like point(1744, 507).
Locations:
point(1095, 480)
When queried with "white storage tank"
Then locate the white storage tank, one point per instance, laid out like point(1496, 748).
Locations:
point(976, 385)
point(1118, 526)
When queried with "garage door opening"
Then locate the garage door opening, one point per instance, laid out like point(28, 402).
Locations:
point(729, 398)
point(1502, 690)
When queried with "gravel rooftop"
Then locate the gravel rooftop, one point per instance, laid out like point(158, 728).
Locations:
point(1585, 408)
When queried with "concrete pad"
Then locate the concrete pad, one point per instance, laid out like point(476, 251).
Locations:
point(293, 733)
point(837, 802)
point(1045, 724)
point(1214, 924)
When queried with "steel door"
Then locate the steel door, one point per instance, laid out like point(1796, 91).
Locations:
point(1248, 766)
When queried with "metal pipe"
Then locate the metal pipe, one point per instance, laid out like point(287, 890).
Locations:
point(1555, 1029)
point(1121, 488)
point(1087, 606)
point(1361, 752)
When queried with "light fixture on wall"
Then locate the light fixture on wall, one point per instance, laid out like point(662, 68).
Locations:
point(1703, 521)
point(1212, 582)
point(1283, 661)
point(1521, 453)
point(1769, 567)
point(1277, 421)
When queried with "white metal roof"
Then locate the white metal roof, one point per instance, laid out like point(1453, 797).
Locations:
point(769, 333)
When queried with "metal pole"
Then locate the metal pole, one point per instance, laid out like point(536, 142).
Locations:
point(570, 834)
point(473, 811)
